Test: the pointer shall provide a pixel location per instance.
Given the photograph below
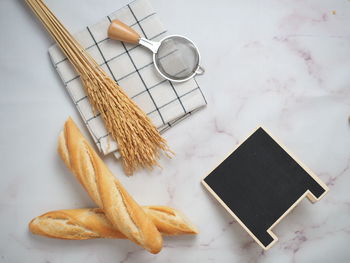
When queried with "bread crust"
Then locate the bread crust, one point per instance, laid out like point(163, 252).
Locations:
point(89, 223)
point(107, 192)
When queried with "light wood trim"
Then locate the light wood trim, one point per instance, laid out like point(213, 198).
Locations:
point(307, 193)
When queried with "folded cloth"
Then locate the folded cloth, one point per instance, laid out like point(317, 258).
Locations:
point(131, 66)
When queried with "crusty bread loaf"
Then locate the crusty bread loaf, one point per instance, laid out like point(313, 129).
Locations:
point(90, 223)
point(170, 221)
point(108, 193)
point(74, 224)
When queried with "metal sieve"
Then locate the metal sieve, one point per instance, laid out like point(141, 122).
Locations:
point(175, 57)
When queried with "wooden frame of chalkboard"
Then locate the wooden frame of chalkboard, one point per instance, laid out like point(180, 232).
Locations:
point(295, 179)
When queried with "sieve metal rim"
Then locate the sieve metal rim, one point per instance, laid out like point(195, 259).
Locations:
point(178, 80)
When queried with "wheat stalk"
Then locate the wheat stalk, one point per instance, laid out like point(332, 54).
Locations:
point(138, 140)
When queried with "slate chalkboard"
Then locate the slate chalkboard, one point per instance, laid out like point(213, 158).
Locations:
point(259, 183)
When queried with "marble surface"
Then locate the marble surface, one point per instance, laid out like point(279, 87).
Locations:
point(283, 64)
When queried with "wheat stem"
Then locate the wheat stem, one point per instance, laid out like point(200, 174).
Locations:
point(139, 142)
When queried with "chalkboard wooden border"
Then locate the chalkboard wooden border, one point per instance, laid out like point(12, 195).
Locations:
point(307, 194)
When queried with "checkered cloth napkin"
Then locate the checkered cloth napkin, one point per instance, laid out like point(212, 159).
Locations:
point(131, 66)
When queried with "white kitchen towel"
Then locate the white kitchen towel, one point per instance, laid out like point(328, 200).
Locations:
point(131, 66)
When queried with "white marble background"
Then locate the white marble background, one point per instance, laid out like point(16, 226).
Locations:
point(283, 64)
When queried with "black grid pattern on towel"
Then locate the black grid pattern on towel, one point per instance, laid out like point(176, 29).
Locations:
point(106, 62)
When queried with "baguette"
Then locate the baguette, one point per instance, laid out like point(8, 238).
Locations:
point(107, 192)
point(88, 223)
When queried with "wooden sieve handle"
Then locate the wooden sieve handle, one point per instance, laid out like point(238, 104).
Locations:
point(119, 31)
